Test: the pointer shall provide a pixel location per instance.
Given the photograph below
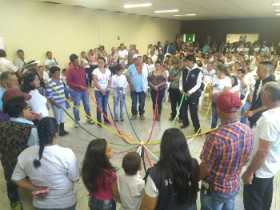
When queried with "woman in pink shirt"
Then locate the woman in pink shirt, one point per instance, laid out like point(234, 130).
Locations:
point(99, 175)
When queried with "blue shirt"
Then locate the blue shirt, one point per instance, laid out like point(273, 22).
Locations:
point(136, 79)
point(2, 91)
point(33, 138)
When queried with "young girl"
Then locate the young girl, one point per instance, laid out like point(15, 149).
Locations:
point(119, 85)
point(101, 81)
point(99, 175)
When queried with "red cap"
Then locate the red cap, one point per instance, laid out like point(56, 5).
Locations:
point(15, 92)
point(228, 102)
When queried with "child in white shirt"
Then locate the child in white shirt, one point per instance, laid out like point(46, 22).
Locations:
point(130, 185)
point(119, 85)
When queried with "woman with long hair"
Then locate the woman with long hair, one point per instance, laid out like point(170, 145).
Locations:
point(49, 171)
point(99, 175)
point(30, 85)
point(172, 184)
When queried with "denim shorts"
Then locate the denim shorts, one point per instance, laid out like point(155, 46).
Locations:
point(95, 204)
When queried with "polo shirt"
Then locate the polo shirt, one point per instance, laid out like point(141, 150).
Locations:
point(138, 81)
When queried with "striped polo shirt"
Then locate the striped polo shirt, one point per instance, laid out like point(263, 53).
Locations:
point(55, 91)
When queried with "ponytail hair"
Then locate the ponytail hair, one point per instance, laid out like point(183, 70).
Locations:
point(47, 130)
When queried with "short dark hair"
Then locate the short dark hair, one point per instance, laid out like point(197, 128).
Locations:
point(20, 51)
point(53, 69)
point(102, 58)
point(131, 163)
point(3, 53)
point(15, 106)
point(190, 58)
point(5, 75)
point(73, 57)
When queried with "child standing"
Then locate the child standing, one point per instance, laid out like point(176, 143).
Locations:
point(56, 95)
point(119, 85)
point(130, 185)
point(99, 175)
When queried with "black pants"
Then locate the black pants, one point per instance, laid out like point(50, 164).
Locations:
point(157, 97)
point(175, 98)
point(192, 104)
point(258, 195)
point(12, 189)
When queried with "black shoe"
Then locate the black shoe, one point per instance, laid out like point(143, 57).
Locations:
point(62, 132)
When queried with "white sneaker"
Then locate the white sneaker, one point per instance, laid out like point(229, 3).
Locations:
point(77, 125)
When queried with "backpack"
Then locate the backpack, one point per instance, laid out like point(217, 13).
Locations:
point(13, 140)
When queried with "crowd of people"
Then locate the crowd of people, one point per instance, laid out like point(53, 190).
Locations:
point(238, 84)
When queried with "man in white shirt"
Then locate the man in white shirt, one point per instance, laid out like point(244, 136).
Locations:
point(19, 61)
point(5, 64)
point(258, 178)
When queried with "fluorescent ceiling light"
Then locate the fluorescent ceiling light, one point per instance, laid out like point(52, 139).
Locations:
point(129, 6)
point(186, 15)
point(276, 4)
point(166, 11)
point(277, 10)
point(277, 14)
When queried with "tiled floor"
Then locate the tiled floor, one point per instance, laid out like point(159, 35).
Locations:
point(78, 141)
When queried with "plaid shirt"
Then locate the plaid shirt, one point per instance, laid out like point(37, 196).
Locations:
point(225, 152)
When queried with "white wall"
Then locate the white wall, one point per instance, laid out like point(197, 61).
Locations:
point(37, 27)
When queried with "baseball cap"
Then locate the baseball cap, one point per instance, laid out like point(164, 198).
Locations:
point(13, 93)
point(228, 102)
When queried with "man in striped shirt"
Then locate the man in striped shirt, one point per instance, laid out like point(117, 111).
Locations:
point(56, 95)
point(225, 152)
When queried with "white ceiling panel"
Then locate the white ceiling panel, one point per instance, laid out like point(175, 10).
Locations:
point(205, 9)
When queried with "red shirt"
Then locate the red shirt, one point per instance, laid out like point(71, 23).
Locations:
point(104, 185)
point(76, 77)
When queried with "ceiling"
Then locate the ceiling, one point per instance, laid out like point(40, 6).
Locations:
point(205, 9)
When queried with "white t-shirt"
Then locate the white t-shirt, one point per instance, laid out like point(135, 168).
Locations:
point(220, 84)
point(7, 65)
point(38, 103)
point(131, 190)
point(102, 78)
point(50, 63)
point(268, 129)
point(208, 76)
point(58, 171)
point(119, 81)
point(123, 53)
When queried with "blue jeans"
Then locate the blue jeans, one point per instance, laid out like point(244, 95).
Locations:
point(102, 103)
point(58, 113)
point(244, 109)
point(214, 120)
point(95, 204)
point(77, 96)
point(138, 98)
point(217, 201)
point(119, 104)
